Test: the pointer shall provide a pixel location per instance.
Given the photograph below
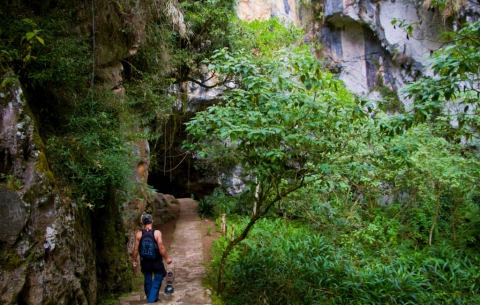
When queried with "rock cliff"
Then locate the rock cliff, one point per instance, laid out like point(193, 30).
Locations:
point(369, 52)
point(54, 249)
point(46, 242)
point(358, 41)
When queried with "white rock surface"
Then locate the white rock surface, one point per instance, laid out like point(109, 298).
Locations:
point(359, 40)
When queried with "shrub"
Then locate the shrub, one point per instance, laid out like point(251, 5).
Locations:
point(284, 263)
point(206, 207)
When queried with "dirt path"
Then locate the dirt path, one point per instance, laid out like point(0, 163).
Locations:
point(186, 252)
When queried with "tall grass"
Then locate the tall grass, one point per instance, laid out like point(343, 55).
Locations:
point(285, 263)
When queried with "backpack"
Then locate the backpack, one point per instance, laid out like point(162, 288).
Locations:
point(148, 244)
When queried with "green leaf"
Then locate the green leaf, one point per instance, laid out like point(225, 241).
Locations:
point(30, 35)
point(40, 40)
point(448, 94)
point(325, 168)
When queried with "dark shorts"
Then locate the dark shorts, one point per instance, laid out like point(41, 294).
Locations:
point(153, 266)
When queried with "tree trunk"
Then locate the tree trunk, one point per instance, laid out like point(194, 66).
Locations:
point(231, 245)
point(260, 214)
point(436, 215)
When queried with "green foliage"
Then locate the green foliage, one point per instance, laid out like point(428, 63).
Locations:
point(436, 175)
point(18, 49)
point(206, 207)
point(285, 122)
point(391, 102)
point(432, 167)
point(209, 28)
point(284, 111)
point(93, 163)
point(304, 267)
point(87, 130)
point(147, 106)
point(11, 182)
point(147, 78)
point(306, 144)
point(453, 91)
point(422, 180)
point(374, 198)
point(265, 38)
point(220, 203)
point(448, 7)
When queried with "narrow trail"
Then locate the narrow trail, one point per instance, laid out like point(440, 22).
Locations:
point(187, 266)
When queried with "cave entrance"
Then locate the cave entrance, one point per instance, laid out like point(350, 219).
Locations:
point(174, 172)
point(183, 182)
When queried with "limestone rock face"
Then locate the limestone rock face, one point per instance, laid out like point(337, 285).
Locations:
point(162, 209)
point(111, 77)
point(200, 97)
point(358, 40)
point(369, 51)
point(250, 10)
point(45, 243)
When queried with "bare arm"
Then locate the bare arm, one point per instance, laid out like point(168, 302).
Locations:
point(135, 249)
point(161, 247)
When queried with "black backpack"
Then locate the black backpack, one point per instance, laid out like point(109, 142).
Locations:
point(148, 244)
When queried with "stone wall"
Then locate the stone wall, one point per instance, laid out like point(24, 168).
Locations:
point(368, 51)
point(53, 250)
point(45, 240)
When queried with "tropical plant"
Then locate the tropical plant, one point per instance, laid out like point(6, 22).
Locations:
point(450, 97)
point(306, 266)
point(286, 122)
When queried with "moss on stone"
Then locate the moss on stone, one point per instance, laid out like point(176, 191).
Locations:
point(42, 164)
point(12, 262)
point(114, 271)
point(42, 167)
point(38, 141)
point(391, 102)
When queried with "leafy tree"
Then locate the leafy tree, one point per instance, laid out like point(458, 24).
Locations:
point(208, 28)
point(437, 180)
point(286, 122)
point(453, 92)
point(265, 38)
point(435, 164)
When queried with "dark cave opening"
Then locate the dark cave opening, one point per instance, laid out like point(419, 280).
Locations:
point(174, 171)
point(182, 185)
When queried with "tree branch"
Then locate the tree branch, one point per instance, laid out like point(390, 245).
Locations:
point(233, 243)
point(207, 86)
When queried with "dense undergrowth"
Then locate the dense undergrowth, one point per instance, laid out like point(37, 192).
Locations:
point(93, 101)
point(321, 247)
point(358, 207)
point(284, 262)
point(379, 210)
